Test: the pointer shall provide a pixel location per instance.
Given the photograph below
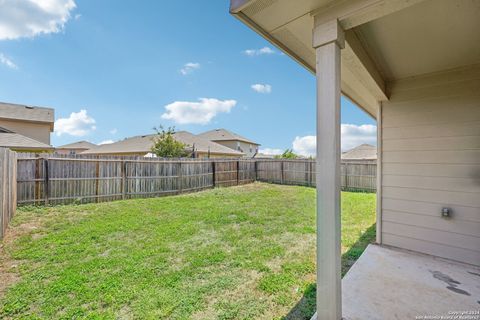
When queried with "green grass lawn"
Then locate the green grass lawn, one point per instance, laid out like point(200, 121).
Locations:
point(234, 253)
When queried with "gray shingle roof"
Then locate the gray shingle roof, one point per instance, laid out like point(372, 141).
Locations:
point(224, 135)
point(143, 144)
point(26, 113)
point(361, 152)
point(17, 141)
point(78, 145)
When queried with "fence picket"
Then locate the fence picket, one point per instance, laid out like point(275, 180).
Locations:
point(8, 188)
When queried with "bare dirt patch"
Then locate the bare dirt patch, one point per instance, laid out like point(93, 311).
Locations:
point(247, 284)
point(9, 267)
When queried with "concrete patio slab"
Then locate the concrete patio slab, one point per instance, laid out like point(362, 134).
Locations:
point(390, 283)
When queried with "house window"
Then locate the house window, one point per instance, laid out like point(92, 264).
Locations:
point(238, 145)
point(251, 148)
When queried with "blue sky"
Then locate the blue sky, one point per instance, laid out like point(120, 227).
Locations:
point(134, 65)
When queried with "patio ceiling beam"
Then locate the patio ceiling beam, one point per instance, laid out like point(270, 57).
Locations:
point(362, 67)
point(353, 13)
point(328, 40)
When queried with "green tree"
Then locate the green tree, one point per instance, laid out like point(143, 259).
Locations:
point(165, 145)
point(287, 154)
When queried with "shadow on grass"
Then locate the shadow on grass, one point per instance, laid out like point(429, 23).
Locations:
point(305, 308)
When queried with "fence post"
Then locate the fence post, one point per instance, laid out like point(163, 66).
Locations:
point(256, 169)
point(281, 172)
point(3, 186)
point(97, 174)
point(13, 171)
point(312, 165)
point(213, 173)
point(180, 176)
point(124, 178)
point(307, 175)
point(346, 176)
point(238, 172)
point(37, 180)
point(45, 181)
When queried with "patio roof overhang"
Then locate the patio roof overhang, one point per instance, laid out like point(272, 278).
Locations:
point(385, 40)
point(363, 49)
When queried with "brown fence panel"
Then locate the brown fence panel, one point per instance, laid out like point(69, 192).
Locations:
point(8, 191)
point(49, 179)
point(155, 178)
point(246, 173)
point(355, 175)
point(82, 180)
point(359, 175)
point(30, 177)
point(60, 180)
point(226, 173)
point(269, 171)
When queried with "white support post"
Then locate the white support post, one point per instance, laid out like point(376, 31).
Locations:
point(328, 40)
point(379, 174)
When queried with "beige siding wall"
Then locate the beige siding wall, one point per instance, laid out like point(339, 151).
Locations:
point(431, 160)
point(37, 131)
point(248, 149)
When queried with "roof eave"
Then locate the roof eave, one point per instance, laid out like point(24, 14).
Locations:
point(239, 5)
point(249, 22)
point(241, 140)
point(51, 123)
point(25, 148)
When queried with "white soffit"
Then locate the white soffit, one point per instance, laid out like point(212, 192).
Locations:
point(431, 36)
point(428, 36)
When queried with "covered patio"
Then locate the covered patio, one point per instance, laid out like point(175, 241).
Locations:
point(413, 65)
point(392, 283)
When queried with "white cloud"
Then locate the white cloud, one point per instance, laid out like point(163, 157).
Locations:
point(186, 112)
point(261, 88)
point(304, 146)
point(270, 151)
point(109, 141)
point(352, 136)
point(28, 18)
point(189, 67)
point(113, 131)
point(78, 124)
point(7, 62)
point(258, 52)
point(78, 16)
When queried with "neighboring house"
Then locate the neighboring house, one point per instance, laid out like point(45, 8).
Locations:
point(232, 140)
point(415, 67)
point(361, 152)
point(142, 145)
point(25, 128)
point(20, 143)
point(75, 148)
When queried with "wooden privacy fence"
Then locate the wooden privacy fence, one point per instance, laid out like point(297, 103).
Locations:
point(8, 185)
point(58, 180)
point(358, 175)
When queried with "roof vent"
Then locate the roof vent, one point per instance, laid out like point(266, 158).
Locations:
point(258, 6)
